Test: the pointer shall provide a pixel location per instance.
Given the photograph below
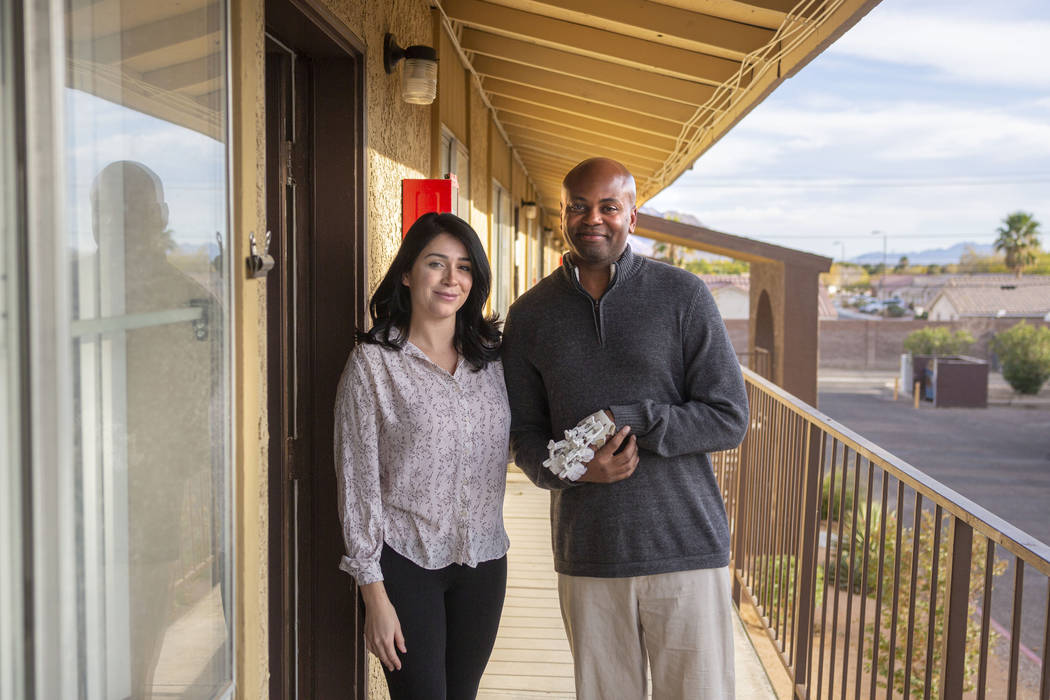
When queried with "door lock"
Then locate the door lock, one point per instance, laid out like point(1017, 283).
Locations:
point(259, 265)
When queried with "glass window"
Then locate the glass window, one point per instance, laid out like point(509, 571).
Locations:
point(520, 260)
point(502, 271)
point(456, 160)
point(462, 171)
point(146, 208)
point(535, 254)
point(11, 600)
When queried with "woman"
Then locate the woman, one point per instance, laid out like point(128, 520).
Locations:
point(421, 435)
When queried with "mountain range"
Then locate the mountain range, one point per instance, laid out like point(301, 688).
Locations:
point(931, 256)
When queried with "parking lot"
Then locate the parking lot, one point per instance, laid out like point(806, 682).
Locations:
point(998, 457)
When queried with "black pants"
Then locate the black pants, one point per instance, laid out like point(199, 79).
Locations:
point(449, 618)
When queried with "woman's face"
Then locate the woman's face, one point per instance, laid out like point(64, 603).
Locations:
point(440, 278)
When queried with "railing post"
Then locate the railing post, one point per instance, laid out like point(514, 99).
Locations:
point(807, 556)
point(739, 525)
point(956, 606)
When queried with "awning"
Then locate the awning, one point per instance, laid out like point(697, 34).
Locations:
point(651, 84)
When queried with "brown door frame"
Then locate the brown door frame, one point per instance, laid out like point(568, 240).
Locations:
point(315, 299)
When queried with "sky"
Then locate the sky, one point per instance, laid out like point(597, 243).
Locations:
point(927, 122)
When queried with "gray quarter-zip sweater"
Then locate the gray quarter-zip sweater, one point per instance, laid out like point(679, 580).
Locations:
point(655, 351)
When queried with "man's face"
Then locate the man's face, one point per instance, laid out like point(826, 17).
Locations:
point(597, 213)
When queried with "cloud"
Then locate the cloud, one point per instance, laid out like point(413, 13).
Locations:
point(885, 137)
point(968, 49)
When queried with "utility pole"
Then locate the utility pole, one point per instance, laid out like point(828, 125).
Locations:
point(882, 277)
point(842, 258)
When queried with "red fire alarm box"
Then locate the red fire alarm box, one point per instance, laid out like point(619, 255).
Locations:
point(421, 196)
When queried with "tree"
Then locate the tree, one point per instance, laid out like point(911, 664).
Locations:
point(902, 264)
point(1019, 240)
point(937, 341)
point(670, 253)
point(1024, 352)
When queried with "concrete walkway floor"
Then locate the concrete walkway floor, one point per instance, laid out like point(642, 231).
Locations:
point(531, 658)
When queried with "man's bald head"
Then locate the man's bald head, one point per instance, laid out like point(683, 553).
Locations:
point(598, 212)
point(604, 170)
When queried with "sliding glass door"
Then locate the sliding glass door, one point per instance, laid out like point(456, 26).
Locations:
point(134, 502)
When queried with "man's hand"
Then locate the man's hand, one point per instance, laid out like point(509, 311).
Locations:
point(382, 628)
point(607, 467)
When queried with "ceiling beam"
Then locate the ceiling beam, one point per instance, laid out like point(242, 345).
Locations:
point(598, 124)
point(646, 122)
point(579, 66)
point(514, 121)
point(582, 135)
point(571, 86)
point(558, 164)
point(563, 145)
point(662, 23)
point(597, 43)
point(558, 123)
point(781, 6)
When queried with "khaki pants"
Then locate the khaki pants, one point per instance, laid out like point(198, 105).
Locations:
point(680, 621)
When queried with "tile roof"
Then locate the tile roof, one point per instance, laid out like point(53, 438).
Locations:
point(993, 280)
point(1027, 300)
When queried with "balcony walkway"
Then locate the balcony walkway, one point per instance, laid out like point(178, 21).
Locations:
point(531, 658)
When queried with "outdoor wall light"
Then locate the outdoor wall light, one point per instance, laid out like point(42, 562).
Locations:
point(529, 209)
point(419, 77)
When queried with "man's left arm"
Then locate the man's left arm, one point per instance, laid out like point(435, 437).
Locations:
point(714, 415)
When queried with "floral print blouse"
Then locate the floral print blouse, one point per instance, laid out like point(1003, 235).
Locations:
point(421, 460)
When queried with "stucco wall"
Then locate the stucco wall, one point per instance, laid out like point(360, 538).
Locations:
point(248, 203)
point(398, 133)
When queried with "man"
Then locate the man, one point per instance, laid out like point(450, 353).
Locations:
point(641, 541)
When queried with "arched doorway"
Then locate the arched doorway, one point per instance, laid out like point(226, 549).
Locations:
point(764, 337)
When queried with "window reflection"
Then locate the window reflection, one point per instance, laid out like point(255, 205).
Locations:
point(146, 201)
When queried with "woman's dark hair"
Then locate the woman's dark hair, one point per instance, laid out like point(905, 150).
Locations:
point(477, 338)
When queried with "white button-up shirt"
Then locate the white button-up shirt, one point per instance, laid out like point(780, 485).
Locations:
point(421, 460)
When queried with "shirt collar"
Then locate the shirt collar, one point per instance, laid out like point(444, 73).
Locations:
point(625, 266)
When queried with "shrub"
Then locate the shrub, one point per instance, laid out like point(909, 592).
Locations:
point(825, 496)
point(916, 666)
point(865, 582)
point(1024, 353)
point(895, 311)
point(938, 341)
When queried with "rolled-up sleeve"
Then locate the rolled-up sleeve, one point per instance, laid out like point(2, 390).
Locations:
point(357, 471)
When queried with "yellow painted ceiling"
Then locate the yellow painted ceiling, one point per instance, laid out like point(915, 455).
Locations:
point(651, 84)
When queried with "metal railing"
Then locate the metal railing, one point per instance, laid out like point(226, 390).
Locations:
point(871, 578)
point(759, 361)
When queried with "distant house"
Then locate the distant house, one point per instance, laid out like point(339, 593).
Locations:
point(732, 294)
point(1003, 300)
point(925, 288)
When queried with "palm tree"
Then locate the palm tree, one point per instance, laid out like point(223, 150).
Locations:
point(1019, 239)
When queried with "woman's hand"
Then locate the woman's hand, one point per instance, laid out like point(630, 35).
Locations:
point(382, 628)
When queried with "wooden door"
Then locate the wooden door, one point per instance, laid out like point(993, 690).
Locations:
point(315, 299)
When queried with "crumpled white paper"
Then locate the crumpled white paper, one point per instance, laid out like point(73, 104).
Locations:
point(568, 456)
